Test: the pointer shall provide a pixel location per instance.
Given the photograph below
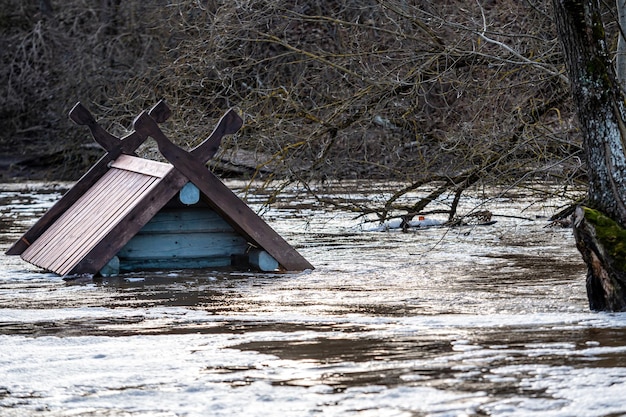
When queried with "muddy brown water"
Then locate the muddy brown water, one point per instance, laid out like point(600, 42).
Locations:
point(470, 321)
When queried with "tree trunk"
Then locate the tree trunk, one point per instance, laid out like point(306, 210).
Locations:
point(620, 59)
point(597, 95)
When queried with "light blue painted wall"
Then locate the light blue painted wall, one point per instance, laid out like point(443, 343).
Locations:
point(182, 238)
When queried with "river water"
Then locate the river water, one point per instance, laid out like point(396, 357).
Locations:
point(469, 321)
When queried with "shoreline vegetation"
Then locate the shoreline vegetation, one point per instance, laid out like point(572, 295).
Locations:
point(448, 94)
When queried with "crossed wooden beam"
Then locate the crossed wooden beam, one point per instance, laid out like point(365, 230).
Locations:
point(187, 166)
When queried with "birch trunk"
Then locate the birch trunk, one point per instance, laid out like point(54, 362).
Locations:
point(598, 97)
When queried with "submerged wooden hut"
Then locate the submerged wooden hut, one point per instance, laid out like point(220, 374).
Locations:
point(129, 213)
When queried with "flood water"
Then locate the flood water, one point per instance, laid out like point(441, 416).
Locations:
point(469, 321)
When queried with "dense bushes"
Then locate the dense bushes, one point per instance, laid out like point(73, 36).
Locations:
point(450, 91)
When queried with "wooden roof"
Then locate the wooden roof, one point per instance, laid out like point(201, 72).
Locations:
point(92, 217)
point(122, 192)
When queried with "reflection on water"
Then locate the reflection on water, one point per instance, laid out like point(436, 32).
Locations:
point(472, 321)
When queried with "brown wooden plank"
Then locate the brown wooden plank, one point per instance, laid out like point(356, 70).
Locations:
point(228, 124)
point(79, 114)
point(127, 144)
point(54, 241)
point(80, 239)
point(39, 252)
point(45, 246)
point(163, 191)
point(103, 227)
point(248, 223)
point(69, 198)
point(223, 200)
point(141, 165)
point(81, 227)
point(82, 243)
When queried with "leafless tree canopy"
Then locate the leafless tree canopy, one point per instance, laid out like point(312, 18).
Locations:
point(449, 92)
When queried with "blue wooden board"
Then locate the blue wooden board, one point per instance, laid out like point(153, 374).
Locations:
point(173, 263)
point(179, 245)
point(186, 220)
point(182, 238)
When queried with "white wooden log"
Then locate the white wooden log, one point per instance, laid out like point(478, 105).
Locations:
point(262, 260)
